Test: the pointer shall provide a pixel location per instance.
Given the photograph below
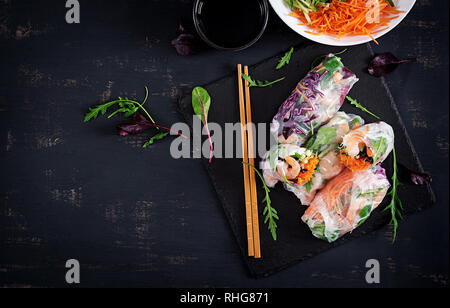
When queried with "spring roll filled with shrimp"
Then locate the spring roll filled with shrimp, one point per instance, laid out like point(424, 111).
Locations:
point(346, 202)
point(289, 164)
point(315, 100)
point(367, 146)
point(325, 143)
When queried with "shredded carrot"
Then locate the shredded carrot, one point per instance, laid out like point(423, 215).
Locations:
point(352, 17)
point(302, 86)
point(310, 167)
point(321, 69)
point(301, 93)
point(355, 164)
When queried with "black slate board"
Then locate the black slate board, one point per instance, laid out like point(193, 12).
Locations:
point(296, 242)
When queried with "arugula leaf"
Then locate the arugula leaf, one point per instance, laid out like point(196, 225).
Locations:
point(380, 145)
point(396, 205)
point(355, 103)
point(323, 137)
point(286, 59)
point(260, 84)
point(271, 215)
point(126, 106)
point(159, 136)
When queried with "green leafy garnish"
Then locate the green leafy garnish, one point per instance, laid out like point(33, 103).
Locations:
point(369, 193)
point(323, 137)
point(260, 84)
point(159, 136)
point(355, 103)
point(380, 146)
point(396, 205)
point(316, 61)
point(286, 59)
point(288, 182)
point(308, 186)
point(201, 102)
point(271, 215)
point(291, 4)
point(365, 211)
point(391, 3)
point(125, 106)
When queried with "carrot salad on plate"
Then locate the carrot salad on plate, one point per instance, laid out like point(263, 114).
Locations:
point(344, 18)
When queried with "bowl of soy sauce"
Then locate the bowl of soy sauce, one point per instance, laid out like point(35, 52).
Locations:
point(231, 24)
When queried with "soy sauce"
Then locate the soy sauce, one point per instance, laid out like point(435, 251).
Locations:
point(231, 24)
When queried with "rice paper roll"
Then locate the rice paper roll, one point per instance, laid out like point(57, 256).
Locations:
point(315, 100)
point(367, 146)
point(325, 143)
point(346, 202)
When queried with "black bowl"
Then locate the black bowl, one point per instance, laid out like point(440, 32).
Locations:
point(262, 17)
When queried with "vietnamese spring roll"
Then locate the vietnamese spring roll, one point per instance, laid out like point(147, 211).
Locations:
point(325, 143)
point(290, 164)
point(367, 146)
point(315, 100)
point(346, 202)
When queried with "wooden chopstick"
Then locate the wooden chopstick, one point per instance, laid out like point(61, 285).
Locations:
point(246, 168)
point(251, 153)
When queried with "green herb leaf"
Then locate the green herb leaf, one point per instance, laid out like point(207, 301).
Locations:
point(286, 59)
point(355, 103)
point(316, 61)
point(308, 186)
point(159, 136)
point(396, 205)
point(201, 102)
point(291, 4)
point(260, 84)
point(391, 3)
point(380, 146)
point(322, 138)
point(365, 211)
point(126, 106)
point(271, 215)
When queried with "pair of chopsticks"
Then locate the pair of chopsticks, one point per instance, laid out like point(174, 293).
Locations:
point(251, 197)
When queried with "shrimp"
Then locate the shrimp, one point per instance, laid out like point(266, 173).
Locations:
point(290, 169)
point(354, 142)
point(330, 166)
point(341, 130)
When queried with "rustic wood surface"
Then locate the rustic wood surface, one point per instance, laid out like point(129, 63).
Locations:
point(136, 217)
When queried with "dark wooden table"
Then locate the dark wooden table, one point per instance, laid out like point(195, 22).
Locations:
point(136, 217)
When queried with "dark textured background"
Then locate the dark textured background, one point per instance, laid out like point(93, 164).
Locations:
point(136, 217)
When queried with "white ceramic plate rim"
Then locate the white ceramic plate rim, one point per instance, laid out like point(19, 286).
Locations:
point(283, 12)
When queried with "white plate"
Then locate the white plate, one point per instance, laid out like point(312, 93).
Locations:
point(282, 9)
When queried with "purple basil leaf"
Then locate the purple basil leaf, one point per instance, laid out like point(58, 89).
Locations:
point(385, 64)
point(187, 43)
point(137, 125)
point(414, 176)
